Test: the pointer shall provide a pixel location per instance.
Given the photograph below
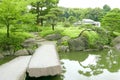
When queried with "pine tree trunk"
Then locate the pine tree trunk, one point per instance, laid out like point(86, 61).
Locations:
point(8, 34)
point(53, 27)
point(37, 10)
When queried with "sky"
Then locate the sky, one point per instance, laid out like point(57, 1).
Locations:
point(89, 3)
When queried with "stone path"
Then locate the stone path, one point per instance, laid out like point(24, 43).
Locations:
point(44, 62)
point(15, 69)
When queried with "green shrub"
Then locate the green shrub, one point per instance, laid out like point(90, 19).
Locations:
point(72, 32)
point(66, 24)
point(92, 38)
point(65, 43)
point(14, 41)
point(47, 30)
point(25, 28)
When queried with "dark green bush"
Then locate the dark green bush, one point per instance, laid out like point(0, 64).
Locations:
point(14, 42)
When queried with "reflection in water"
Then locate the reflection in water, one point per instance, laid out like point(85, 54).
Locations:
point(94, 67)
point(86, 66)
point(90, 60)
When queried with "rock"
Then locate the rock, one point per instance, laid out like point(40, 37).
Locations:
point(63, 48)
point(6, 53)
point(21, 52)
point(77, 44)
point(116, 43)
point(53, 37)
point(29, 43)
point(30, 51)
point(62, 40)
point(106, 47)
point(117, 46)
point(1, 56)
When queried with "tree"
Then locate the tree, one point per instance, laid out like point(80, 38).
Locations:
point(52, 16)
point(111, 20)
point(95, 14)
point(12, 12)
point(41, 8)
point(106, 8)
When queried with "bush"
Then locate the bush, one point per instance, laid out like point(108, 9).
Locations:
point(47, 30)
point(66, 24)
point(72, 32)
point(14, 41)
point(92, 38)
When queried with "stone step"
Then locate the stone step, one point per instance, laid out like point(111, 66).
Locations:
point(44, 62)
point(15, 69)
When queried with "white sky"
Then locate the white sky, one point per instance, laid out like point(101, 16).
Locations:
point(89, 3)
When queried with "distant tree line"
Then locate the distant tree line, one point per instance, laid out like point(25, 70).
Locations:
point(15, 12)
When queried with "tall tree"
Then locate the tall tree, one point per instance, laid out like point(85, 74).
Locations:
point(95, 14)
point(53, 16)
point(11, 12)
point(41, 8)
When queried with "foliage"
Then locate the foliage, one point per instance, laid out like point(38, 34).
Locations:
point(14, 41)
point(41, 8)
point(47, 30)
point(95, 14)
point(72, 32)
point(76, 14)
point(111, 20)
point(25, 28)
point(52, 16)
point(71, 19)
point(92, 37)
point(106, 8)
point(66, 24)
point(13, 12)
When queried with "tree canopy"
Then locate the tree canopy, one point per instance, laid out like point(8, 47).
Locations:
point(111, 20)
point(41, 8)
point(12, 12)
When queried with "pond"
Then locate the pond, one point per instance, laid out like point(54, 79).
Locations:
point(98, 65)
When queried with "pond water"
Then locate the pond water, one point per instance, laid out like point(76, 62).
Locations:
point(102, 65)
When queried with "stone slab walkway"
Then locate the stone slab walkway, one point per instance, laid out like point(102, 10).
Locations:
point(15, 69)
point(44, 62)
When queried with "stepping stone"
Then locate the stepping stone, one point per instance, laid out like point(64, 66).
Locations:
point(44, 62)
point(15, 69)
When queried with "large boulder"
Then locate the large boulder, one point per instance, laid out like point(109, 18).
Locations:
point(77, 44)
point(117, 46)
point(116, 43)
point(53, 37)
point(29, 43)
point(116, 40)
point(30, 51)
point(1, 56)
point(63, 40)
point(63, 48)
point(6, 53)
point(21, 52)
